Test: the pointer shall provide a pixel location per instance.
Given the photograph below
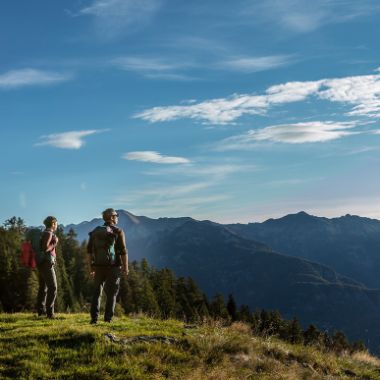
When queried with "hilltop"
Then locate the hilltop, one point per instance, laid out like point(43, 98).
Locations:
point(70, 348)
point(287, 264)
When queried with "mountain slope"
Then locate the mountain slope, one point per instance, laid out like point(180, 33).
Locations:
point(349, 244)
point(222, 261)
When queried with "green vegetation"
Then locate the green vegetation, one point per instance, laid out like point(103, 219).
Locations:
point(153, 302)
point(71, 348)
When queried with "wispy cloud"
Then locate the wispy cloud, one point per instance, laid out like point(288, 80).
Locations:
point(115, 17)
point(155, 68)
point(30, 77)
point(302, 16)
point(254, 64)
point(67, 140)
point(214, 172)
point(182, 67)
point(197, 187)
point(298, 133)
point(154, 157)
point(176, 200)
point(362, 93)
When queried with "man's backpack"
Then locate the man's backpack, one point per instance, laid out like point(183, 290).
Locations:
point(103, 246)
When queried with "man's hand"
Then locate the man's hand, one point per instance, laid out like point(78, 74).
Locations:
point(125, 270)
point(92, 271)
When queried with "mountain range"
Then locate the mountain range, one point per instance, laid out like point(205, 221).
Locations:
point(322, 271)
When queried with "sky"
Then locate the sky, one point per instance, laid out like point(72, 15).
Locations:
point(228, 111)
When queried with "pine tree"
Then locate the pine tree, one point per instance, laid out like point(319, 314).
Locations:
point(312, 336)
point(218, 308)
point(163, 285)
point(244, 314)
point(340, 342)
point(294, 332)
point(232, 307)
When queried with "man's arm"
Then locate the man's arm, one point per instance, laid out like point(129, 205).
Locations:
point(90, 251)
point(123, 251)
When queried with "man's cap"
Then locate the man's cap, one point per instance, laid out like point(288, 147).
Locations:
point(108, 213)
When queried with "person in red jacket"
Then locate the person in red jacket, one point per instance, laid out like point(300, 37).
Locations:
point(47, 291)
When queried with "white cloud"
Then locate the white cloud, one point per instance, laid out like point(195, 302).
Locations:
point(155, 157)
point(291, 92)
point(303, 16)
point(143, 64)
point(175, 67)
point(362, 93)
point(298, 133)
point(67, 140)
point(254, 64)
point(217, 111)
point(154, 68)
point(30, 77)
point(115, 17)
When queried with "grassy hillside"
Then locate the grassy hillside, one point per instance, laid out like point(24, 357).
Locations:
point(70, 348)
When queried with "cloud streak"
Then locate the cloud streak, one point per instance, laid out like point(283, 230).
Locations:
point(362, 93)
point(115, 17)
point(67, 140)
point(30, 77)
point(154, 157)
point(303, 16)
point(154, 68)
point(255, 64)
point(298, 133)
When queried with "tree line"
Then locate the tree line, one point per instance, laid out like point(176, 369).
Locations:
point(156, 292)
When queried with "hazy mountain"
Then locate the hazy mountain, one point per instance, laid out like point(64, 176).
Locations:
point(349, 244)
point(222, 261)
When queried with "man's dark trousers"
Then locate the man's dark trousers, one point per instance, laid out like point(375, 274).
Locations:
point(47, 291)
point(109, 279)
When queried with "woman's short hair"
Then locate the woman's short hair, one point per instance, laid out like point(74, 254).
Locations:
point(48, 222)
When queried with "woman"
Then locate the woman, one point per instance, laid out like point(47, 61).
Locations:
point(47, 291)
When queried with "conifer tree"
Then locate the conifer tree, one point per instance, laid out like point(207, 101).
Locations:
point(232, 307)
point(218, 308)
point(244, 314)
point(163, 285)
point(340, 342)
point(312, 336)
point(294, 332)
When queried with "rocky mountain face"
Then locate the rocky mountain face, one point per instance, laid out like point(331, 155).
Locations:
point(349, 244)
point(227, 259)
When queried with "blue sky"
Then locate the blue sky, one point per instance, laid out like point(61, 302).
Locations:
point(230, 112)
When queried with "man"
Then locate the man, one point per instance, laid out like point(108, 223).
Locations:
point(109, 258)
point(47, 291)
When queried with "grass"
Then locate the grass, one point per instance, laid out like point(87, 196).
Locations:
point(71, 348)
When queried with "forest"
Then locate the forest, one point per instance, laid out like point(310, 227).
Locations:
point(156, 292)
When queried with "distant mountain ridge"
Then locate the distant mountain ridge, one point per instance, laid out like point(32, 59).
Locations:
point(348, 244)
point(227, 259)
